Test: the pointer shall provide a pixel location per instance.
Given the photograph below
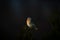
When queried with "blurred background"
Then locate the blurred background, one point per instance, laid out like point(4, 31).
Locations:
point(44, 13)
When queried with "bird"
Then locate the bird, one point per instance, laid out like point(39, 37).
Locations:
point(30, 24)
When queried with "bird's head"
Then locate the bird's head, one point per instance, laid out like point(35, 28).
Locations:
point(28, 21)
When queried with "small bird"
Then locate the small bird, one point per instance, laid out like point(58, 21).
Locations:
point(30, 24)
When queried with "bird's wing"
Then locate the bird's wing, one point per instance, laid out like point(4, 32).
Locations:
point(34, 26)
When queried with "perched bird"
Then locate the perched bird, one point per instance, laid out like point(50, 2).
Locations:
point(30, 24)
point(29, 29)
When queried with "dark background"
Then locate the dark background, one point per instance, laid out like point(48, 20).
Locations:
point(44, 13)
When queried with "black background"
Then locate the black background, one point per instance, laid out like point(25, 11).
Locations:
point(44, 13)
